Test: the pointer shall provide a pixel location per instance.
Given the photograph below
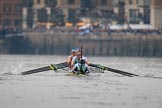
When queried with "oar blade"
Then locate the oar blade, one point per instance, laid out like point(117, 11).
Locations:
point(113, 70)
point(36, 70)
point(121, 72)
point(46, 68)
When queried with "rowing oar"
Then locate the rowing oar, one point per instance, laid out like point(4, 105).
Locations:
point(81, 69)
point(113, 70)
point(46, 68)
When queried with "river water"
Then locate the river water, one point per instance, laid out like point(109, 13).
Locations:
point(98, 90)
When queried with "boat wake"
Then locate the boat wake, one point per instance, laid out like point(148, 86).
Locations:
point(154, 77)
point(150, 76)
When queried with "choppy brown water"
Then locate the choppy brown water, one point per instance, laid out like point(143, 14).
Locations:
point(99, 90)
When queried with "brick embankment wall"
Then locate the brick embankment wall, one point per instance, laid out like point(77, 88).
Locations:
point(123, 45)
point(52, 43)
point(96, 45)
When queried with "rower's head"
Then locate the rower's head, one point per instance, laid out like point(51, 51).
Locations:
point(73, 52)
point(78, 54)
point(78, 50)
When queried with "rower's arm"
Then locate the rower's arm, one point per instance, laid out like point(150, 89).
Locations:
point(86, 61)
point(69, 60)
point(73, 61)
point(72, 64)
point(73, 68)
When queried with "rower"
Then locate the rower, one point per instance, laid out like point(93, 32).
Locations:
point(73, 54)
point(79, 63)
point(80, 68)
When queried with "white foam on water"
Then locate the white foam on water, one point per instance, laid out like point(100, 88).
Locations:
point(17, 69)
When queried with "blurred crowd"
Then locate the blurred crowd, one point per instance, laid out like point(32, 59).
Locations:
point(117, 29)
point(82, 31)
point(10, 30)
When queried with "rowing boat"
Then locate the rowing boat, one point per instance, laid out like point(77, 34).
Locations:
point(64, 65)
point(78, 75)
